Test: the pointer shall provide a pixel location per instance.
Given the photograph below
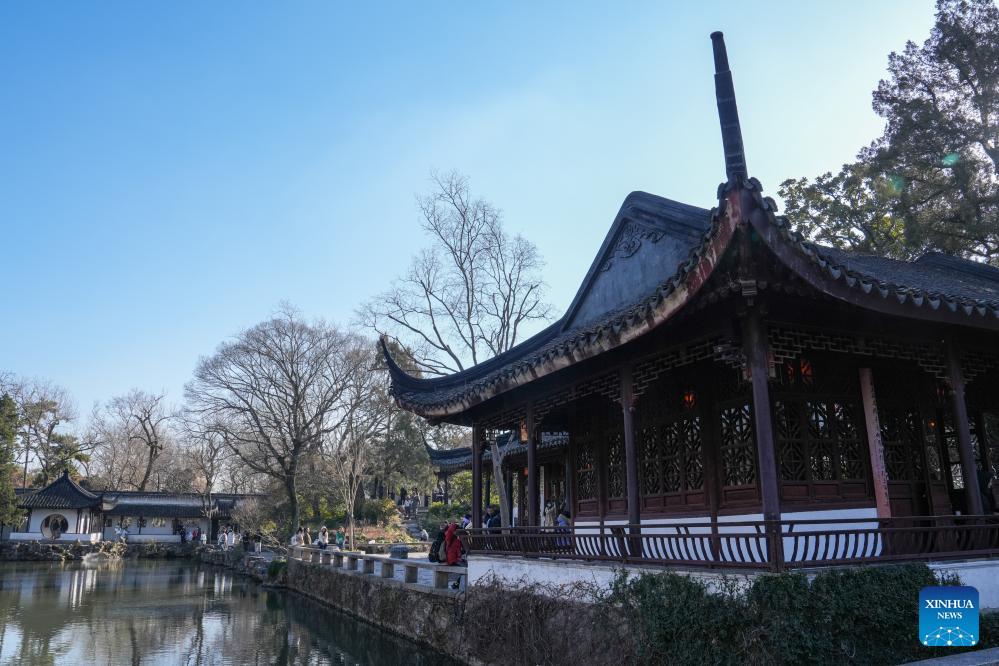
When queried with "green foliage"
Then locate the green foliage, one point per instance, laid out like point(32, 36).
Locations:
point(377, 511)
point(9, 423)
point(439, 513)
point(275, 568)
point(929, 182)
point(859, 615)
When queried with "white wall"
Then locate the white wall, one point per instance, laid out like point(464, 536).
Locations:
point(697, 542)
point(67, 538)
point(980, 574)
point(515, 571)
point(38, 515)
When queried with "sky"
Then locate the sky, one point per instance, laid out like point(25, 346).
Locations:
point(171, 172)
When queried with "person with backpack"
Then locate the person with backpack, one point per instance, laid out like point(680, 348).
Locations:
point(437, 546)
point(453, 545)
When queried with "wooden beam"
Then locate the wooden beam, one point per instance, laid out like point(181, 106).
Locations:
point(956, 378)
point(755, 345)
point(533, 508)
point(476, 476)
point(630, 452)
point(879, 472)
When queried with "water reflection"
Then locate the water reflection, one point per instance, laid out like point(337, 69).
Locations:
point(176, 613)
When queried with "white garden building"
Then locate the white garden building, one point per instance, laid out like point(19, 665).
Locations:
point(65, 511)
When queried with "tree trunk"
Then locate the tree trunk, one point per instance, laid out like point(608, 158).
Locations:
point(291, 485)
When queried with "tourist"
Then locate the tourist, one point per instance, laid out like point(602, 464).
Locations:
point(189, 533)
point(296, 538)
point(452, 545)
point(204, 538)
point(466, 521)
point(493, 521)
point(563, 526)
point(307, 538)
point(423, 535)
point(231, 537)
point(257, 541)
point(221, 540)
point(341, 537)
point(323, 539)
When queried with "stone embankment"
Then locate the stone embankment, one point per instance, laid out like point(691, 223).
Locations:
point(53, 551)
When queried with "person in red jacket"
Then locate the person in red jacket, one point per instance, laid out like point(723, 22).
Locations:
point(452, 544)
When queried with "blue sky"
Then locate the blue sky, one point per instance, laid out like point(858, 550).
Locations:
point(170, 172)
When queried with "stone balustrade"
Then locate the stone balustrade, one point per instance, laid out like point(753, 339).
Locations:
point(364, 564)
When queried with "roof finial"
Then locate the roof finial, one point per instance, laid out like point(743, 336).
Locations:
point(728, 112)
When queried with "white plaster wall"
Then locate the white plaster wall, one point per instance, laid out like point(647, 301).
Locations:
point(980, 574)
point(696, 542)
point(157, 538)
point(520, 571)
point(67, 538)
point(803, 549)
point(38, 515)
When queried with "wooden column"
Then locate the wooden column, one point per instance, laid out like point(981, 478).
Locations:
point(630, 452)
point(508, 482)
point(755, 345)
point(447, 489)
point(533, 509)
point(879, 472)
point(476, 476)
point(963, 430)
point(569, 485)
point(487, 495)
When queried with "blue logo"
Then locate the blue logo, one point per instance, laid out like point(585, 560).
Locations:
point(948, 616)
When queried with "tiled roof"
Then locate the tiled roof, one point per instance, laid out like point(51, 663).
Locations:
point(453, 460)
point(567, 340)
point(935, 286)
point(63, 493)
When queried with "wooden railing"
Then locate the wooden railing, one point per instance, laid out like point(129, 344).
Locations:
point(766, 545)
point(365, 564)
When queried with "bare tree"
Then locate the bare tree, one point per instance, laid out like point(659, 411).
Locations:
point(277, 389)
point(131, 432)
point(467, 296)
point(359, 421)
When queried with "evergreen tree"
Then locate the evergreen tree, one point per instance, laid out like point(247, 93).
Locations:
point(931, 181)
point(9, 422)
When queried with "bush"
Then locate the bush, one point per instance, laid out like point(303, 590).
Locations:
point(276, 568)
point(439, 513)
point(859, 615)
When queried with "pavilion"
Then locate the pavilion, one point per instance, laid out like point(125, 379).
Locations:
point(66, 511)
point(732, 394)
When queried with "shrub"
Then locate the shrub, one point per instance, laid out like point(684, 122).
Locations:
point(439, 513)
point(857, 615)
point(276, 568)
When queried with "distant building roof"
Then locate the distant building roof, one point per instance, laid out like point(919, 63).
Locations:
point(63, 493)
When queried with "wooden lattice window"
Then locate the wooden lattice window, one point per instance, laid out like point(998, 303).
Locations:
point(670, 446)
point(616, 485)
point(738, 450)
point(586, 468)
point(902, 437)
point(821, 445)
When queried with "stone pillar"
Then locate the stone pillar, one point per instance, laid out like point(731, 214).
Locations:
point(630, 452)
point(476, 476)
point(879, 473)
point(533, 507)
point(956, 379)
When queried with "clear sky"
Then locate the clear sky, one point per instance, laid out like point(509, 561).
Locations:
point(170, 172)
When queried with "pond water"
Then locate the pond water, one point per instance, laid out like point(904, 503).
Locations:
point(161, 612)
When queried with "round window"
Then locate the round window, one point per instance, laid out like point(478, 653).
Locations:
point(55, 525)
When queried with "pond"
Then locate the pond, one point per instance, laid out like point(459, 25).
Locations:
point(170, 612)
